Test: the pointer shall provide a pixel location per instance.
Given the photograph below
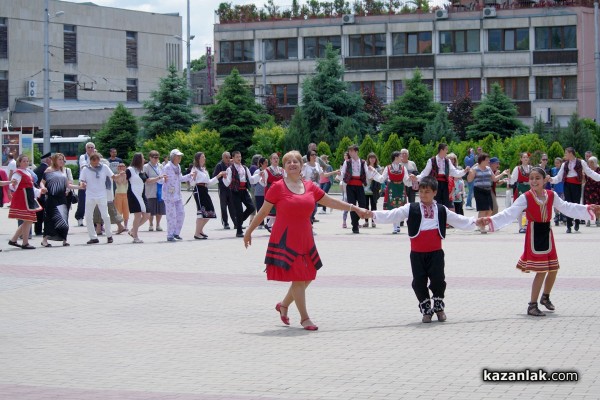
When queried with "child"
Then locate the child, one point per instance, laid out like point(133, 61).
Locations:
point(539, 255)
point(458, 194)
point(426, 229)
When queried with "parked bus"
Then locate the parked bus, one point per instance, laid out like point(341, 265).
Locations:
point(71, 147)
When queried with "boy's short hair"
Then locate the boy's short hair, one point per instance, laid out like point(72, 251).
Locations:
point(429, 182)
point(353, 147)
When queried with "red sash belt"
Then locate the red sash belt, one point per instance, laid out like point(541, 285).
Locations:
point(355, 181)
point(574, 180)
point(442, 178)
point(426, 241)
point(242, 186)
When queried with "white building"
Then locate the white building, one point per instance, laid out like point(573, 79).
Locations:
point(99, 56)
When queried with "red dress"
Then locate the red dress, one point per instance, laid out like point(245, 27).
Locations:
point(292, 254)
point(539, 254)
point(24, 206)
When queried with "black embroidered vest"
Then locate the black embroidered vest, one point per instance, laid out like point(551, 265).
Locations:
point(348, 173)
point(415, 216)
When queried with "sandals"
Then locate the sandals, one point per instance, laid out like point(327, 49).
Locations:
point(46, 245)
point(284, 318)
point(121, 231)
point(27, 247)
point(308, 327)
point(11, 243)
point(533, 310)
point(545, 301)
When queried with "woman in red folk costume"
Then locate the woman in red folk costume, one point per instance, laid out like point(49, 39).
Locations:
point(291, 254)
point(397, 178)
point(24, 205)
point(539, 255)
point(274, 174)
point(520, 181)
point(591, 192)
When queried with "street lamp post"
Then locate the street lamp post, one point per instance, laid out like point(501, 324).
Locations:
point(189, 61)
point(47, 75)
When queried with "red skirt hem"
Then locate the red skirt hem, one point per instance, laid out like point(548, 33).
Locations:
point(294, 274)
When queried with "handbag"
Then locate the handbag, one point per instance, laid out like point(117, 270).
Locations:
point(73, 198)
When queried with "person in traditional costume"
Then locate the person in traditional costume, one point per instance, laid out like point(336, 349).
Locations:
point(56, 215)
point(519, 179)
point(426, 221)
point(291, 254)
point(274, 173)
point(442, 169)
point(591, 191)
point(572, 173)
point(373, 187)
point(24, 205)
point(396, 178)
point(205, 210)
point(539, 255)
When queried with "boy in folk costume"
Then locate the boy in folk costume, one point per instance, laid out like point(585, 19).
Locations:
point(426, 222)
point(539, 254)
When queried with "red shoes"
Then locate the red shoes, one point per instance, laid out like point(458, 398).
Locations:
point(309, 327)
point(284, 318)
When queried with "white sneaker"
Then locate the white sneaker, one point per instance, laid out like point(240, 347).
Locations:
point(468, 208)
point(79, 222)
point(322, 212)
point(150, 228)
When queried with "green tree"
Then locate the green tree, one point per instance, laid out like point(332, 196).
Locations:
point(496, 114)
point(120, 131)
point(366, 147)
point(323, 148)
point(267, 140)
point(235, 114)
point(555, 150)
point(578, 136)
point(439, 128)
point(325, 96)
point(594, 128)
point(514, 146)
point(298, 133)
point(409, 114)
point(341, 149)
point(168, 109)
point(199, 63)
point(461, 114)
point(394, 143)
point(417, 153)
point(189, 143)
point(348, 127)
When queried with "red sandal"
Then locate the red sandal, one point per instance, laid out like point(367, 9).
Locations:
point(309, 327)
point(284, 318)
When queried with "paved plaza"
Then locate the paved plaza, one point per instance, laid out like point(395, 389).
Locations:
point(195, 320)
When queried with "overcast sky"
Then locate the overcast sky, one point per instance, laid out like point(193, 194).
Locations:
point(201, 16)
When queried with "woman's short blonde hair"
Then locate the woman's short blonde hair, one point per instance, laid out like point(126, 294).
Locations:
point(593, 160)
point(291, 154)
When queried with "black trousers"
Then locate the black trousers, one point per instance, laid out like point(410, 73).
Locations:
point(428, 267)
point(354, 195)
point(38, 226)
point(80, 213)
point(241, 197)
point(572, 195)
point(410, 194)
point(443, 196)
point(226, 203)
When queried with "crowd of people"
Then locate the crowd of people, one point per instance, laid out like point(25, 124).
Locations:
point(284, 199)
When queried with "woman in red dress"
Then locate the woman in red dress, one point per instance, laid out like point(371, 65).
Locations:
point(24, 205)
point(291, 254)
point(539, 255)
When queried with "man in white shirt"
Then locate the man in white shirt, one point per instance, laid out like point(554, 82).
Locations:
point(442, 169)
point(84, 162)
point(95, 180)
point(238, 180)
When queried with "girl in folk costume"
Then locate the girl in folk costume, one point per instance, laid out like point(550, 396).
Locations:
point(539, 255)
point(24, 205)
point(396, 177)
point(372, 188)
point(205, 209)
point(274, 173)
point(520, 181)
point(591, 192)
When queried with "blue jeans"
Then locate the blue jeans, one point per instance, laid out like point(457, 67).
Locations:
point(325, 187)
point(470, 186)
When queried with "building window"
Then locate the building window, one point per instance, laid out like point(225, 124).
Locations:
point(286, 95)
point(556, 38)
point(400, 87)
point(132, 90)
point(314, 47)
point(451, 88)
point(70, 82)
point(281, 49)
point(459, 41)
point(378, 87)
point(131, 45)
point(508, 39)
point(411, 43)
point(237, 51)
point(70, 44)
point(173, 55)
point(3, 90)
point(556, 87)
point(367, 45)
point(3, 38)
point(514, 88)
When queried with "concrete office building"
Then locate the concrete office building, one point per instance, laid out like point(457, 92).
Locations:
point(99, 56)
point(542, 56)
